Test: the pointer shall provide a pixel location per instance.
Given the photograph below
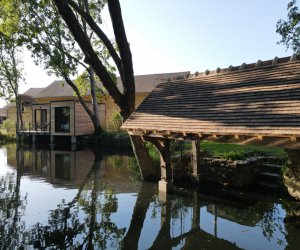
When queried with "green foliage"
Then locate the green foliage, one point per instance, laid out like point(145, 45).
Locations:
point(117, 161)
point(8, 126)
point(153, 152)
point(134, 170)
point(290, 29)
point(239, 152)
point(116, 122)
point(9, 16)
point(10, 67)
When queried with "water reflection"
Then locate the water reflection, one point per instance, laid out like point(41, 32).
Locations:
point(81, 200)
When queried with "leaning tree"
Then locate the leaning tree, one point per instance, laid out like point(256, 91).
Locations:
point(66, 34)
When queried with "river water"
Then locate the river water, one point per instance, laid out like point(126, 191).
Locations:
point(57, 199)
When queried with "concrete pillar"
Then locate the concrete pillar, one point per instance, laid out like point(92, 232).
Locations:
point(73, 139)
point(196, 161)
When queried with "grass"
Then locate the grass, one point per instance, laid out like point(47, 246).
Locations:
point(238, 152)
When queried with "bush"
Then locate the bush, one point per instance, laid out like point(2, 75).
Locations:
point(8, 126)
point(116, 122)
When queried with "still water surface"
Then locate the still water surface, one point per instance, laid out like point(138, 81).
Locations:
point(74, 200)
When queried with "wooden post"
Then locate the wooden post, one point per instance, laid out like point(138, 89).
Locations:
point(165, 185)
point(196, 212)
point(196, 161)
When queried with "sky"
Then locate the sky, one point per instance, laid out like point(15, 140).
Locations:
point(191, 35)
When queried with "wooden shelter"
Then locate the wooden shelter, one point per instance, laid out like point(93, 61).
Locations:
point(252, 103)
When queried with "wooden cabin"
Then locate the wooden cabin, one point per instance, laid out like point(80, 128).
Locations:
point(252, 103)
point(61, 118)
point(56, 111)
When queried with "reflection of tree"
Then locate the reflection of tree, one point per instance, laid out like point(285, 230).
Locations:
point(12, 207)
point(271, 222)
point(84, 222)
point(145, 196)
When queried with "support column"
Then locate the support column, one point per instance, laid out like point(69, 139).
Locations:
point(165, 185)
point(73, 139)
point(33, 139)
point(196, 212)
point(196, 161)
point(52, 139)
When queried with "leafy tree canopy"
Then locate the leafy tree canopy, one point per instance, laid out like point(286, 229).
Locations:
point(289, 29)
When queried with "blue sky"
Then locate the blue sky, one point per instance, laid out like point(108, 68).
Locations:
point(192, 35)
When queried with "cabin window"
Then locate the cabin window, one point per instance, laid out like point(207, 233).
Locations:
point(62, 119)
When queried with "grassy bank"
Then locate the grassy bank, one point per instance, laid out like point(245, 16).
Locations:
point(216, 149)
point(239, 152)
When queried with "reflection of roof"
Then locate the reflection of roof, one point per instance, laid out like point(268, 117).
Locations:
point(144, 83)
point(3, 112)
point(253, 99)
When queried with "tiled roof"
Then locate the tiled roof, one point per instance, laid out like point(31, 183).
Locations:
point(144, 83)
point(259, 98)
point(3, 112)
point(33, 92)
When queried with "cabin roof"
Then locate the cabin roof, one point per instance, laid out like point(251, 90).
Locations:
point(33, 92)
point(144, 83)
point(262, 98)
point(3, 112)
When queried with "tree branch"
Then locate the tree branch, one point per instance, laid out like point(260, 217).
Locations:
point(93, 25)
point(125, 53)
point(86, 47)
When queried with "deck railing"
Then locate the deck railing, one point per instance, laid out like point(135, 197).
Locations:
point(28, 127)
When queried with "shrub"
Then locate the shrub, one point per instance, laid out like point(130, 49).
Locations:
point(8, 126)
point(116, 122)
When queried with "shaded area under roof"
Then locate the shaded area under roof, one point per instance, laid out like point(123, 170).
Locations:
point(250, 101)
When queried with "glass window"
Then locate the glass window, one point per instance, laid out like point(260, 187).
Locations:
point(62, 119)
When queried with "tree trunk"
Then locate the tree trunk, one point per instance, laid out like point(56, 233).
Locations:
point(149, 171)
point(125, 100)
point(94, 101)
